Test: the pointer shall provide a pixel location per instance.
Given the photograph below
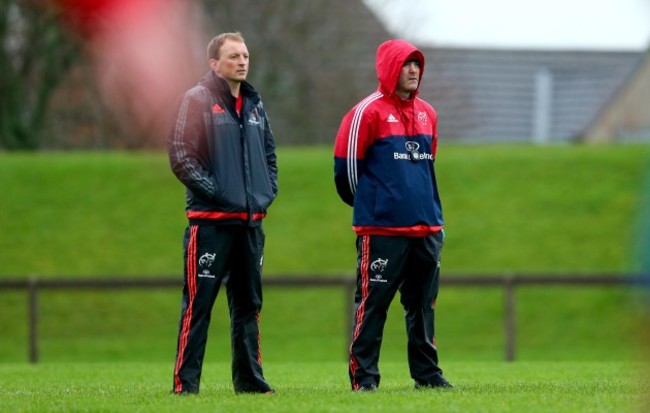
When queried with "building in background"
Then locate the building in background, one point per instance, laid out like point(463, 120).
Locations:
point(541, 96)
point(553, 71)
point(626, 116)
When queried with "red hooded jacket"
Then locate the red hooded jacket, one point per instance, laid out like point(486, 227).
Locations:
point(384, 155)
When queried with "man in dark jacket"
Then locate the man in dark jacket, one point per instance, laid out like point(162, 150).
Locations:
point(222, 149)
point(383, 167)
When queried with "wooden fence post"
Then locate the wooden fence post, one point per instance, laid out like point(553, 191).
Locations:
point(510, 327)
point(32, 312)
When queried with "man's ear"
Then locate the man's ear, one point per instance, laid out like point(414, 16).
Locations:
point(214, 65)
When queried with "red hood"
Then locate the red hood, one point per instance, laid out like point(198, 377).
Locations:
point(391, 56)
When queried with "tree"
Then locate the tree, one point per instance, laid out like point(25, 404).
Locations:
point(310, 60)
point(34, 55)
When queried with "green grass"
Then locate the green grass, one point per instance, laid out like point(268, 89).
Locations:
point(323, 387)
point(81, 214)
point(542, 209)
point(508, 208)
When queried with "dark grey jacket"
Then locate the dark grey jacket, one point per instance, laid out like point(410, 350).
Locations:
point(227, 162)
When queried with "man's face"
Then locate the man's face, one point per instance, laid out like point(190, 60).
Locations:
point(232, 64)
point(409, 78)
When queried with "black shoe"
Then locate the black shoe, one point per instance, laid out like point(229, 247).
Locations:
point(438, 382)
point(367, 387)
point(261, 391)
point(184, 392)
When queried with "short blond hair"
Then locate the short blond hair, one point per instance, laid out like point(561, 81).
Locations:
point(214, 47)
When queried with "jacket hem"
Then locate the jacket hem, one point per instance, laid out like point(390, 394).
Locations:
point(414, 231)
point(224, 216)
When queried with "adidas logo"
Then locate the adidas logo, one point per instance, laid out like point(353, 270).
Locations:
point(391, 119)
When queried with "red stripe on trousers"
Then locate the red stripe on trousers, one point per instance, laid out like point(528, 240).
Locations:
point(187, 317)
point(365, 259)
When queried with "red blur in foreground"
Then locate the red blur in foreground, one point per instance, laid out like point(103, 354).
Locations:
point(86, 16)
point(142, 51)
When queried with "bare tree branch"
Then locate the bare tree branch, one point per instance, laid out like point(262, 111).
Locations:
point(34, 55)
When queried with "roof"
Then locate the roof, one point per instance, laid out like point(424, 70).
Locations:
point(519, 95)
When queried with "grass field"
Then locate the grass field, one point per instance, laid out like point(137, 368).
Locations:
point(322, 387)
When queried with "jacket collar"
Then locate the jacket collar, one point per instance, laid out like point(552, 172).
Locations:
point(219, 87)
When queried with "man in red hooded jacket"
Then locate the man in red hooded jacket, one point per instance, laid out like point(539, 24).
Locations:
point(384, 168)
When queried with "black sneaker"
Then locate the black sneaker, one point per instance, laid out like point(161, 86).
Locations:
point(184, 392)
point(367, 387)
point(261, 391)
point(438, 382)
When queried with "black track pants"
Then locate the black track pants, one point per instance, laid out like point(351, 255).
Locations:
point(384, 266)
point(214, 254)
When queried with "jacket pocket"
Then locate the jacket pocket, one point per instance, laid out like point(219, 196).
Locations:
point(262, 191)
point(219, 193)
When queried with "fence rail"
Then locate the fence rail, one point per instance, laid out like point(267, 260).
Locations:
point(509, 283)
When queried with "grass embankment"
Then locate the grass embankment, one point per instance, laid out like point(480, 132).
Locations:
point(508, 208)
